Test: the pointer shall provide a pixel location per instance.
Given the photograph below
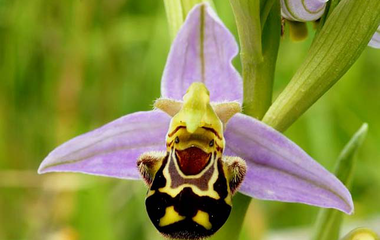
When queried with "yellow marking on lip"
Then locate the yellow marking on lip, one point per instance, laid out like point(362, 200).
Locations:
point(228, 199)
point(170, 217)
point(150, 193)
point(203, 219)
point(173, 192)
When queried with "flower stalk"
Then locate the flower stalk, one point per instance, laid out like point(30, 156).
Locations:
point(266, 8)
point(259, 43)
point(247, 17)
point(259, 34)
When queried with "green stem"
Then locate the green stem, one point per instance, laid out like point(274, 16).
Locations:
point(259, 62)
point(266, 7)
point(247, 16)
point(263, 72)
point(330, 6)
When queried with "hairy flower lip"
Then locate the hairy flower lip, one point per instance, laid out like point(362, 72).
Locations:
point(275, 172)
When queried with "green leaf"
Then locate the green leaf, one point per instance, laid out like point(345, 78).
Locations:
point(338, 45)
point(330, 6)
point(329, 220)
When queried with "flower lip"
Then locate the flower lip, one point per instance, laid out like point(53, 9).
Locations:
point(192, 160)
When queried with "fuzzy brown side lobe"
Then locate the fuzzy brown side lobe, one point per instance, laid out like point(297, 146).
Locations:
point(148, 164)
point(236, 170)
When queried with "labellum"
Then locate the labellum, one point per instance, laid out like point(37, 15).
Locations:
point(192, 183)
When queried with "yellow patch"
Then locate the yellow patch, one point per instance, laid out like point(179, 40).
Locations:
point(170, 217)
point(173, 192)
point(150, 193)
point(228, 199)
point(202, 218)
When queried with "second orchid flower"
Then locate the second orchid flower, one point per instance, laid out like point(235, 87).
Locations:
point(312, 10)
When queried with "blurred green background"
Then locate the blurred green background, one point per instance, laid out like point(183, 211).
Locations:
point(67, 67)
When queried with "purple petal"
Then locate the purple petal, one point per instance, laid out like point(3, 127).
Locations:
point(202, 51)
point(375, 41)
point(303, 10)
point(280, 170)
point(111, 150)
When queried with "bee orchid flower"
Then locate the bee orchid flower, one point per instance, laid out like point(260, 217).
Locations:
point(312, 10)
point(302, 10)
point(196, 148)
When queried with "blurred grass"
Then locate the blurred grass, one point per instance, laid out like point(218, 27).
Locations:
point(67, 67)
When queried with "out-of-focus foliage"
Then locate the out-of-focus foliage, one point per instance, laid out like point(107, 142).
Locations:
point(67, 67)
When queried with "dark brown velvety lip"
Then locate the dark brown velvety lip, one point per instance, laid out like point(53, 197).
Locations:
point(192, 160)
